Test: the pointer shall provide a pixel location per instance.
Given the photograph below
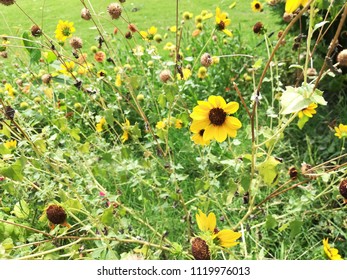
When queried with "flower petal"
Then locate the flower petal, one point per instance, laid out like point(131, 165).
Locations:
point(227, 238)
point(233, 123)
point(198, 125)
point(231, 107)
point(221, 133)
point(217, 101)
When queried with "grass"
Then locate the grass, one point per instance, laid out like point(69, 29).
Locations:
point(141, 12)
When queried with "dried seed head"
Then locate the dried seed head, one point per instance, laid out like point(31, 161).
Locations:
point(200, 249)
point(342, 58)
point(293, 172)
point(46, 78)
point(7, 2)
point(128, 35)
point(85, 14)
point(311, 72)
point(122, 1)
point(115, 10)
point(36, 31)
point(343, 189)
point(258, 27)
point(132, 27)
point(206, 60)
point(287, 17)
point(4, 54)
point(165, 75)
point(56, 214)
point(306, 170)
point(76, 43)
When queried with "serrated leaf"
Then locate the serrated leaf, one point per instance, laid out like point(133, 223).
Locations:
point(270, 222)
point(21, 209)
point(268, 170)
point(295, 228)
point(107, 216)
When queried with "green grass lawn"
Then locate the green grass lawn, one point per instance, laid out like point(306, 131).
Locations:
point(143, 13)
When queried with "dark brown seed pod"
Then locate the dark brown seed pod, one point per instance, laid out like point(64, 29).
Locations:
point(343, 189)
point(56, 214)
point(200, 249)
point(36, 31)
point(293, 172)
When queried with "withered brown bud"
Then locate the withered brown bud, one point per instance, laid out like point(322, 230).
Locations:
point(206, 60)
point(342, 58)
point(311, 72)
point(114, 10)
point(56, 214)
point(293, 172)
point(165, 75)
point(258, 27)
point(36, 31)
point(76, 43)
point(85, 14)
point(128, 35)
point(306, 170)
point(7, 2)
point(343, 189)
point(132, 27)
point(4, 54)
point(200, 249)
point(287, 17)
point(46, 78)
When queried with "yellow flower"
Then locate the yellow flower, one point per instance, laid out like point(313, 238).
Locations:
point(256, 6)
point(292, 5)
point(64, 30)
point(341, 131)
point(173, 28)
point(178, 123)
point(161, 125)
point(202, 72)
point(67, 68)
point(199, 139)
point(186, 74)
point(206, 15)
point(212, 116)
point(206, 223)
point(152, 30)
point(125, 136)
point(100, 125)
point(9, 89)
point(222, 21)
point(332, 253)
point(11, 144)
point(187, 15)
point(84, 68)
point(118, 82)
point(309, 111)
point(101, 74)
point(226, 237)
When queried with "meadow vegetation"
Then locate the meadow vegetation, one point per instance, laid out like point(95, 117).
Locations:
point(173, 129)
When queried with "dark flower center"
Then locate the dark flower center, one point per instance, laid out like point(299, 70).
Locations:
point(66, 31)
point(217, 116)
point(257, 6)
point(201, 132)
point(221, 25)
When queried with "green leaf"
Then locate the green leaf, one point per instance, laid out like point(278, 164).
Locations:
point(7, 244)
point(292, 101)
point(107, 216)
point(162, 100)
point(295, 228)
point(41, 145)
point(15, 170)
point(258, 64)
point(4, 150)
point(51, 57)
point(302, 121)
point(84, 148)
point(75, 133)
point(6, 130)
point(270, 222)
point(268, 170)
point(73, 205)
point(21, 209)
point(35, 56)
point(109, 117)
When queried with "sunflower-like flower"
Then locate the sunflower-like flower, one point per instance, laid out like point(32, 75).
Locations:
point(222, 21)
point(207, 224)
point(198, 138)
point(64, 30)
point(126, 128)
point(11, 144)
point(67, 68)
point(292, 5)
point(149, 34)
point(309, 111)
point(212, 117)
point(100, 125)
point(341, 131)
point(256, 6)
point(331, 253)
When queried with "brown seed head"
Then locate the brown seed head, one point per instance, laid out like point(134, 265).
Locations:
point(311, 72)
point(306, 170)
point(287, 17)
point(85, 14)
point(7, 2)
point(76, 43)
point(293, 172)
point(132, 27)
point(56, 214)
point(46, 78)
point(343, 188)
point(114, 10)
point(165, 75)
point(200, 249)
point(4, 54)
point(342, 58)
point(36, 31)
point(206, 60)
point(258, 27)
